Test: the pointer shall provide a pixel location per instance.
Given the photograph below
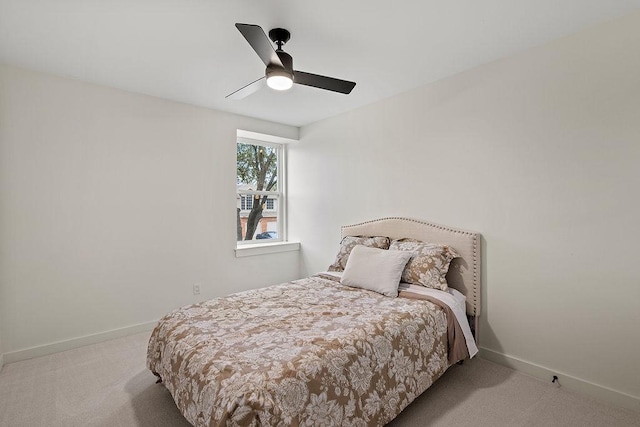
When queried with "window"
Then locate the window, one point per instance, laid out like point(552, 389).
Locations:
point(270, 203)
point(259, 192)
point(246, 203)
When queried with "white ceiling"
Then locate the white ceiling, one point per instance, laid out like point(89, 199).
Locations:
point(190, 50)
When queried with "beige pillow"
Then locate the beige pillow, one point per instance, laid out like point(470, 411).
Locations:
point(377, 270)
point(429, 264)
point(349, 242)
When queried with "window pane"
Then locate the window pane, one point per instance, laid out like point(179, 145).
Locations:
point(257, 217)
point(257, 167)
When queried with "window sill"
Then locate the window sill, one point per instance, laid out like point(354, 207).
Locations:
point(266, 248)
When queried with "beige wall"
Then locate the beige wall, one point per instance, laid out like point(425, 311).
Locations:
point(539, 152)
point(112, 205)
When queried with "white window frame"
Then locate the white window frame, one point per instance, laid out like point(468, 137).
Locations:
point(280, 194)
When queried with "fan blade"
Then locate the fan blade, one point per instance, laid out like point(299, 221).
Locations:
point(260, 43)
point(247, 90)
point(323, 82)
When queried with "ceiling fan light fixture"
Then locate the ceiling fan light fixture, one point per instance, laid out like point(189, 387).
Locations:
point(279, 79)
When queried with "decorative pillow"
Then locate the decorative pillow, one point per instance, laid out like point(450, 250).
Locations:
point(377, 270)
point(349, 242)
point(429, 264)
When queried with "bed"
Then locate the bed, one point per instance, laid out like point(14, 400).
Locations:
point(317, 352)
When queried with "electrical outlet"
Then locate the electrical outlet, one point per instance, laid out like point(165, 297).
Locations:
point(196, 289)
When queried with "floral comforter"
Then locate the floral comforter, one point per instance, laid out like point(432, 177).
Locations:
point(308, 352)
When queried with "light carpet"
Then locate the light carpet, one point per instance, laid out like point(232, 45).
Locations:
point(107, 384)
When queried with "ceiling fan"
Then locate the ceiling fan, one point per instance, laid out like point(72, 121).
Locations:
point(280, 74)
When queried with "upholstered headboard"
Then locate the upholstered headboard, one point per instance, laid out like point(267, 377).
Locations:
point(464, 272)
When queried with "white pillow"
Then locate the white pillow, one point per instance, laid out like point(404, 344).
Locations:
point(375, 269)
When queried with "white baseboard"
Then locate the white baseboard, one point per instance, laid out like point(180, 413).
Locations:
point(56, 347)
point(569, 382)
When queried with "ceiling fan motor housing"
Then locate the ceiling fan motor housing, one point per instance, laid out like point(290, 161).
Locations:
point(287, 61)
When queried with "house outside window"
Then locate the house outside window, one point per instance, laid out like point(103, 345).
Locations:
point(259, 197)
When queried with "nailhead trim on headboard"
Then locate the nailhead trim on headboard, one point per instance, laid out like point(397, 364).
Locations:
point(476, 281)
